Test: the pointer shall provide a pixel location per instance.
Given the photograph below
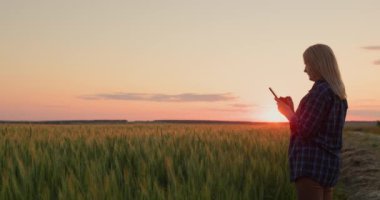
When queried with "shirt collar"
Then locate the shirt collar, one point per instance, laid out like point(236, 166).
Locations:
point(319, 81)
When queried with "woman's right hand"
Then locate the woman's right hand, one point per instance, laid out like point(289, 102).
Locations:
point(288, 100)
point(285, 106)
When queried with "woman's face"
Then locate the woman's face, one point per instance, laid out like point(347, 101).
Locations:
point(313, 76)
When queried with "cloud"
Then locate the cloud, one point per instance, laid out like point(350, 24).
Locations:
point(54, 106)
point(238, 110)
point(184, 97)
point(240, 105)
point(365, 108)
point(236, 107)
point(369, 104)
point(365, 113)
point(375, 47)
point(227, 110)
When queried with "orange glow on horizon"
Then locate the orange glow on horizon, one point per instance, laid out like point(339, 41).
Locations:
point(271, 115)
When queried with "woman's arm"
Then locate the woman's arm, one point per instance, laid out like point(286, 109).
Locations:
point(307, 121)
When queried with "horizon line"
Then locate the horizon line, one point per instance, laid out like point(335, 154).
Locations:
point(156, 120)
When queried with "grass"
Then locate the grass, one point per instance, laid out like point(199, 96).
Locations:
point(366, 129)
point(144, 161)
point(339, 191)
point(360, 164)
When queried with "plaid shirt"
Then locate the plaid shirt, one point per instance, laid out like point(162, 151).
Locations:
point(316, 135)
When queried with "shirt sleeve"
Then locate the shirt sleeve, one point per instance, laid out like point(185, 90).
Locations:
point(307, 121)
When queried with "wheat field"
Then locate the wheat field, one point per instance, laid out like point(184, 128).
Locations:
point(144, 161)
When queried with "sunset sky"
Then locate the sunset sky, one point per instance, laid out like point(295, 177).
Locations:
point(193, 59)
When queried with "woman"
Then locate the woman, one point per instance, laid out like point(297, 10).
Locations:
point(316, 127)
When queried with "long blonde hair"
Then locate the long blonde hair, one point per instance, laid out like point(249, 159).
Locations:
point(321, 59)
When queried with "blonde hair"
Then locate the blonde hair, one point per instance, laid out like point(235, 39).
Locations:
point(321, 59)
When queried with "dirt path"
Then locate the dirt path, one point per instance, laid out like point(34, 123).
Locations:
point(361, 165)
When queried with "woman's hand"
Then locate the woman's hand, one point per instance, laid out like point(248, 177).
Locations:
point(285, 106)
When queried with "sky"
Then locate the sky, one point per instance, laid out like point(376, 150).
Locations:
point(193, 59)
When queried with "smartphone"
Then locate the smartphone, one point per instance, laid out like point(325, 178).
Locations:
point(274, 94)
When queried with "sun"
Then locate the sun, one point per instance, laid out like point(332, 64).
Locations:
point(271, 114)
